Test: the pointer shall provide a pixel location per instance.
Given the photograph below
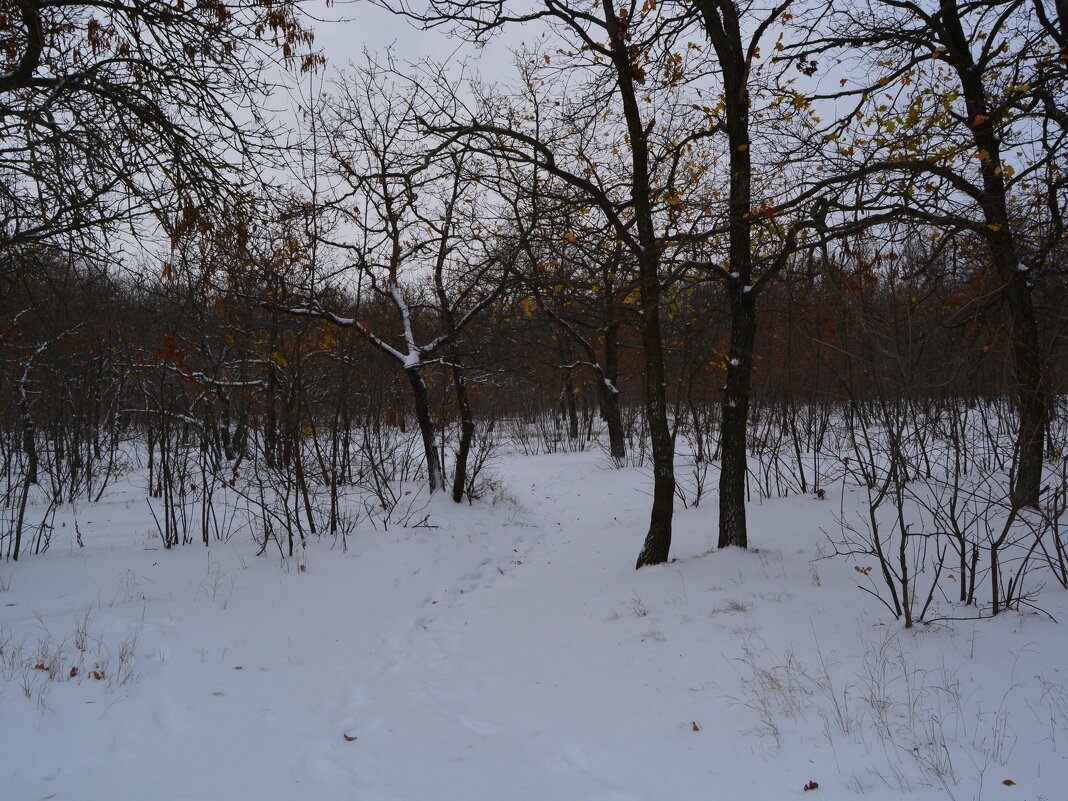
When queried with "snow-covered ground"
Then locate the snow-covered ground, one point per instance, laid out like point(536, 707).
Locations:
point(510, 652)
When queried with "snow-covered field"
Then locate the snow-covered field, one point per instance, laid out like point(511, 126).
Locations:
point(510, 652)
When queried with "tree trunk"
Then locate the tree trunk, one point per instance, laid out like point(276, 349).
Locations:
point(658, 540)
point(1030, 388)
point(1031, 392)
point(732, 523)
point(724, 30)
point(426, 428)
point(613, 415)
point(467, 433)
point(572, 411)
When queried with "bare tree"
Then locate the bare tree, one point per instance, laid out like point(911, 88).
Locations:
point(607, 114)
point(407, 212)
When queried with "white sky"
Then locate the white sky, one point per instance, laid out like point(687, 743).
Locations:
point(348, 27)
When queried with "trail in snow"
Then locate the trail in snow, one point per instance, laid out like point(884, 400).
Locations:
point(513, 652)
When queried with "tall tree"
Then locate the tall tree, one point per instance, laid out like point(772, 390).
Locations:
point(612, 74)
point(959, 121)
point(725, 23)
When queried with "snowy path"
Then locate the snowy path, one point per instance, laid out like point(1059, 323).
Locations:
point(510, 653)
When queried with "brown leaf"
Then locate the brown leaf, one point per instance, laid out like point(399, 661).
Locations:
point(349, 738)
point(1008, 782)
point(302, 568)
point(811, 786)
point(96, 674)
point(696, 726)
point(73, 671)
point(39, 666)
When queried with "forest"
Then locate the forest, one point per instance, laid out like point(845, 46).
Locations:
point(762, 295)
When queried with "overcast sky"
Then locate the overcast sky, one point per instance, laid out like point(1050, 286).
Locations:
point(350, 26)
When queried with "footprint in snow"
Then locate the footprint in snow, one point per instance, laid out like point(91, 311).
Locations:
point(477, 726)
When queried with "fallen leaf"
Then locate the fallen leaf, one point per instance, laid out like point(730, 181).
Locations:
point(696, 726)
point(96, 674)
point(349, 738)
point(811, 786)
point(1008, 782)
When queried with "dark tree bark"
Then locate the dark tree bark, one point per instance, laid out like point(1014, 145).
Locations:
point(723, 28)
point(1015, 274)
point(735, 411)
point(467, 434)
point(572, 408)
point(426, 428)
point(609, 388)
point(657, 545)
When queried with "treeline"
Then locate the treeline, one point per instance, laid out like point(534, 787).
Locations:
point(93, 359)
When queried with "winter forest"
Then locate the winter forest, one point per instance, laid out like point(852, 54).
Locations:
point(470, 400)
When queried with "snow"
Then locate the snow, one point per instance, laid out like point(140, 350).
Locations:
point(413, 359)
point(511, 652)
